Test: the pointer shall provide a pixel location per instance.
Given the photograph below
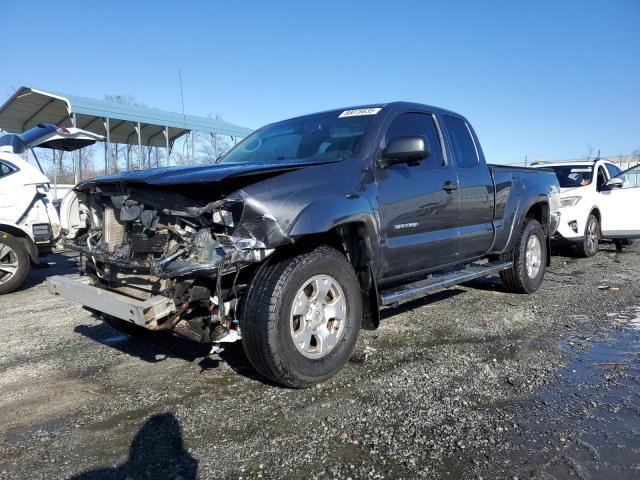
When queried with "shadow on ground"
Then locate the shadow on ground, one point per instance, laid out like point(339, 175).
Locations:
point(53, 264)
point(157, 451)
point(156, 347)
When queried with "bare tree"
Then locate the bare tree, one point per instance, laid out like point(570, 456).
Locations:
point(590, 150)
point(215, 146)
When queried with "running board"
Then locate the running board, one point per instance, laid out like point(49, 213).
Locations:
point(441, 281)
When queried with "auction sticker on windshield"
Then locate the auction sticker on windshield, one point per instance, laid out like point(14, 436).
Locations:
point(359, 111)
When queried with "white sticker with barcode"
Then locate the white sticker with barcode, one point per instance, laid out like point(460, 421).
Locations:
point(580, 170)
point(359, 111)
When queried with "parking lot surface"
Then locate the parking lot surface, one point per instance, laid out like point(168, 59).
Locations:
point(472, 382)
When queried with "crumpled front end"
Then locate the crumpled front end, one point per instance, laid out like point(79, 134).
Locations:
point(145, 242)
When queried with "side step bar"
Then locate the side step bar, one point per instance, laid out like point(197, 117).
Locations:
point(441, 281)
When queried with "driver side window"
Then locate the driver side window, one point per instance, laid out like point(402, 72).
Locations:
point(417, 124)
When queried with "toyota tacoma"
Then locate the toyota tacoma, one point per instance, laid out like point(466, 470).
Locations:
point(304, 231)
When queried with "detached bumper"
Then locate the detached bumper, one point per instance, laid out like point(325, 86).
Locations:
point(145, 313)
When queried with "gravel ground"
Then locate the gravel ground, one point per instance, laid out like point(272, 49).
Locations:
point(469, 383)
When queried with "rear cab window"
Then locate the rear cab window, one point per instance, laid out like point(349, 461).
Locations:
point(464, 148)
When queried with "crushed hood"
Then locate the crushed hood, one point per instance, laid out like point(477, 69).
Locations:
point(197, 174)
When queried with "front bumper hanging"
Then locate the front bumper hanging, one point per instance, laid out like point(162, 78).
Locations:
point(144, 313)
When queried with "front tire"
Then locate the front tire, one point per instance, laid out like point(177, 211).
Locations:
point(589, 246)
point(302, 317)
point(529, 260)
point(14, 263)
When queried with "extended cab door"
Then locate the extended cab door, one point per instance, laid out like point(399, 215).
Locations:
point(418, 203)
point(620, 218)
point(477, 192)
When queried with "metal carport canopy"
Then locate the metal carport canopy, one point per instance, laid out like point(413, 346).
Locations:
point(28, 106)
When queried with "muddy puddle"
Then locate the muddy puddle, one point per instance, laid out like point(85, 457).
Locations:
point(585, 425)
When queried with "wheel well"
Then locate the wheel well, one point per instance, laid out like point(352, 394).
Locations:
point(540, 212)
point(351, 240)
point(29, 245)
point(596, 212)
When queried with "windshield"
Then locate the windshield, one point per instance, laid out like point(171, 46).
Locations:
point(323, 136)
point(571, 176)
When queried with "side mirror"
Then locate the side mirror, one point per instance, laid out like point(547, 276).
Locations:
point(410, 150)
point(614, 183)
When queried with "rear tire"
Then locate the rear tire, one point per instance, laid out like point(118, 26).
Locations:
point(529, 260)
point(311, 297)
point(589, 246)
point(14, 263)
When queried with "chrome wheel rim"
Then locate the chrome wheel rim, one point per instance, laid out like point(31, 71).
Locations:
point(318, 316)
point(8, 263)
point(533, 256)
point(592, 237)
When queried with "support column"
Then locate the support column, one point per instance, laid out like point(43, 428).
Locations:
point(55, 174)
point(107, 146)
point(78, 159)
point(139, 132)
point(166, 143)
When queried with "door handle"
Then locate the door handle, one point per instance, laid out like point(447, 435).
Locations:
point(449, 187)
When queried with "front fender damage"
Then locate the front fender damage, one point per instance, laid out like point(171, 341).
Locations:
point(141, 242)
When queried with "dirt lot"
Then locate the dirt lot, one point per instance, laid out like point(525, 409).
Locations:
point(469, 383)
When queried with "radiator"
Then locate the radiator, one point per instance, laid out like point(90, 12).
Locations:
point(113, 229)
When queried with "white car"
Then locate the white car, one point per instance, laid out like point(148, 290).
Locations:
point(29, 223)
point(597, 202)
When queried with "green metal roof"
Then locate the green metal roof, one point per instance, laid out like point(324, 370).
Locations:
point(29, 106)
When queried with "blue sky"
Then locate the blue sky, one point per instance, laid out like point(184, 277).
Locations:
point(538, 78)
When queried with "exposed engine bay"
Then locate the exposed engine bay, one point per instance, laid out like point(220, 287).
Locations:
point(143, 242)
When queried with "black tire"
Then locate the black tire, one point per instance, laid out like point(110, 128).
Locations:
point(266, 319)
point(592, 235)
point(17, 254)
point(516, 279)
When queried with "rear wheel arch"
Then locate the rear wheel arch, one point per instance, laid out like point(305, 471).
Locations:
point(540, 212)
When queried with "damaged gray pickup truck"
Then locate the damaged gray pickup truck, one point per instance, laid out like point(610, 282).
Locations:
point(304, 230)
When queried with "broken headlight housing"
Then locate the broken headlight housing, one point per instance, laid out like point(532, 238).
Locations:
point(227, 216)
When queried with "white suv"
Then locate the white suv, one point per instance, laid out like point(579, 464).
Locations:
point(29, 223)
point(596, 202)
